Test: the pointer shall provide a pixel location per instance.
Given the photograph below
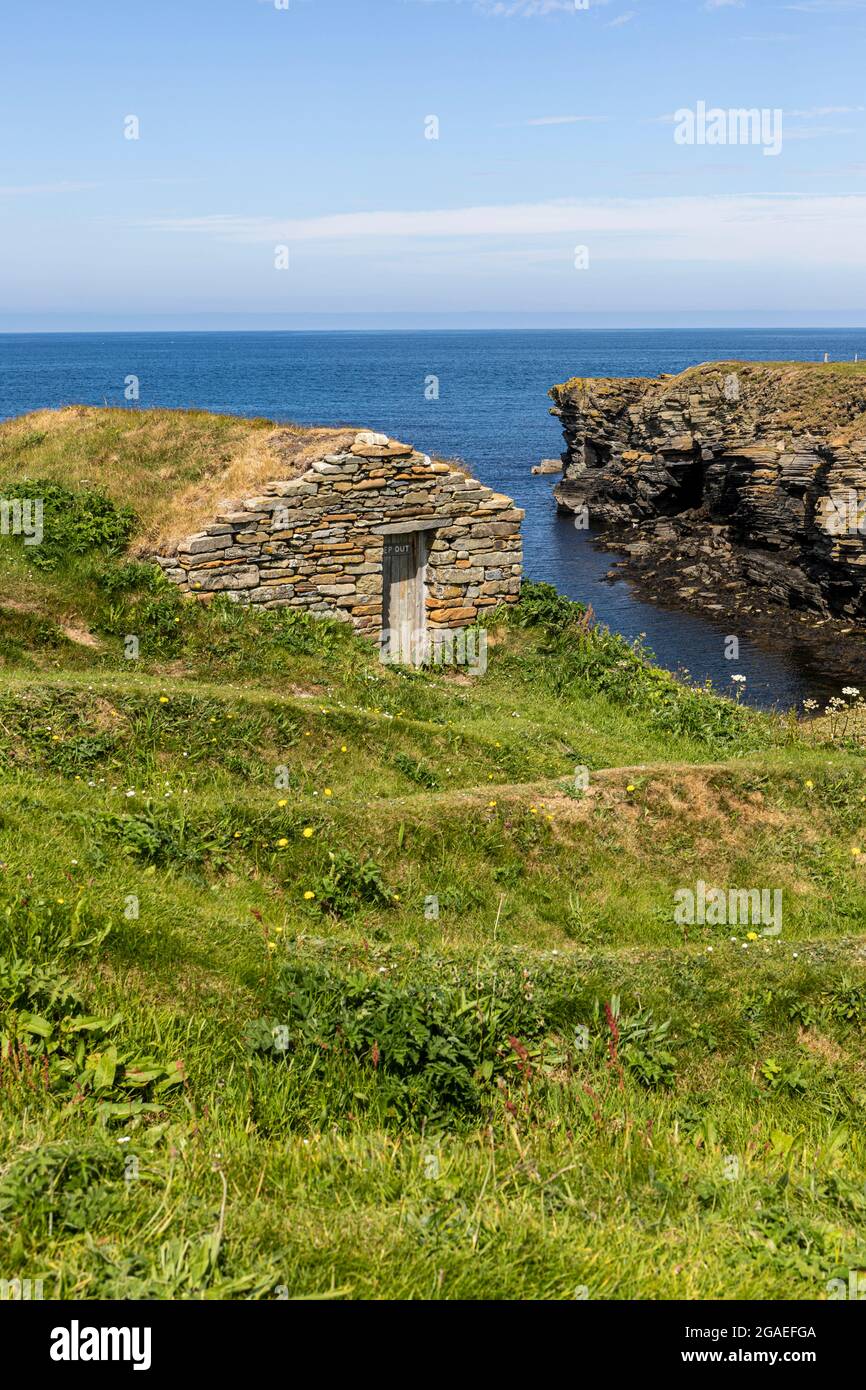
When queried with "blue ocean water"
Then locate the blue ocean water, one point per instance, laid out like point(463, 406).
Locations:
point(488, 406)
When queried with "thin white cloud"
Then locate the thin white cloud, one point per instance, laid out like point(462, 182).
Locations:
point(23, 190)
point(826, 6)
point(814, 112)
point(506, 9)
point(529, 9)
point(562, 120)
point(765, 228)
point(805, 113)
point(817, 132)
point(622, 19)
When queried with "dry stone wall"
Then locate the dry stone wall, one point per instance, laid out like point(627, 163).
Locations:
point(316, 542)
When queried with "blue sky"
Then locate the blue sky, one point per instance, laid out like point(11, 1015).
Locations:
point(305, 128)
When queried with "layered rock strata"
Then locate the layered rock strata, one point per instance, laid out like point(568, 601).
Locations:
point(757, 471)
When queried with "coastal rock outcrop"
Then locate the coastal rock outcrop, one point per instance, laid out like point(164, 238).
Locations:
point(754, 472)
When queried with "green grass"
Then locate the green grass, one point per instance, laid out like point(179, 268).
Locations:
point(452, 1042)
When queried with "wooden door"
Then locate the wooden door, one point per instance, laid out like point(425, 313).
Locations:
point(404, 613)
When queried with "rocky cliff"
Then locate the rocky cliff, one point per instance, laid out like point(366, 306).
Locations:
point(753, 473)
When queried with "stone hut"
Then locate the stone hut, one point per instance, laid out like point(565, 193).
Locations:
point(400, 545)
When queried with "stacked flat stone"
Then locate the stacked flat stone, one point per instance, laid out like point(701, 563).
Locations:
point(316, 542)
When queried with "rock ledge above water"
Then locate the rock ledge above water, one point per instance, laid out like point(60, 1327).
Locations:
point(759, 467)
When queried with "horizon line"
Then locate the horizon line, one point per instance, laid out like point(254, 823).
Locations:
point(652, 325)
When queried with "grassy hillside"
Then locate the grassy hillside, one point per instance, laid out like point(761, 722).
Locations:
point(170, 468)
point(322, 978)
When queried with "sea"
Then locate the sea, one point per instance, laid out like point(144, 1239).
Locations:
point(475, 395)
